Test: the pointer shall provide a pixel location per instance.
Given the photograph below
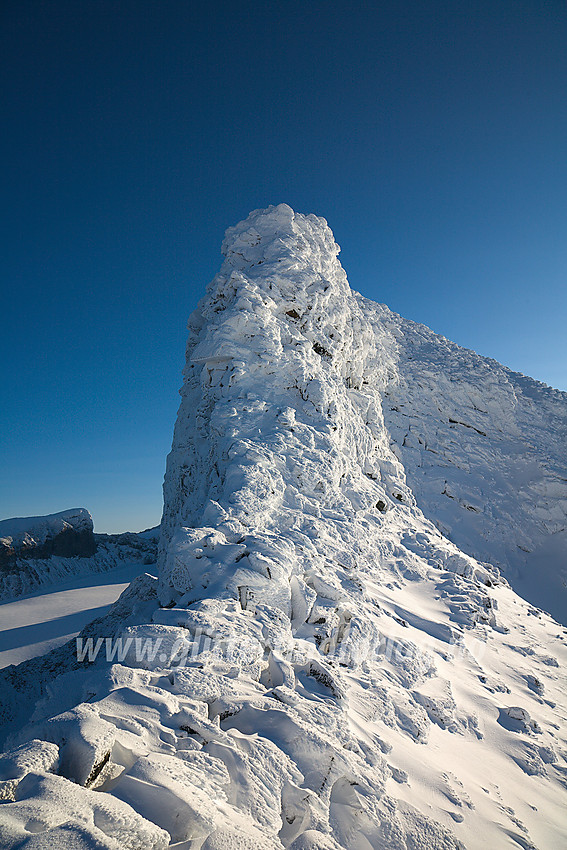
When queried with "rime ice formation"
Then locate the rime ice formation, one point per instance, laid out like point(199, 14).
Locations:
point(280, 420)
point(484, 451)
point(323, 669)
point(280, 334)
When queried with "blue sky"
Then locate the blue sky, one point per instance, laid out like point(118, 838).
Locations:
point(431, 135)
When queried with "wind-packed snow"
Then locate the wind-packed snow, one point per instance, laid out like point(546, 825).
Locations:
point(324, 669)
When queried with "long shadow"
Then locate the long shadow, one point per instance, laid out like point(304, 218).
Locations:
point(37, 632)
point(122, 575)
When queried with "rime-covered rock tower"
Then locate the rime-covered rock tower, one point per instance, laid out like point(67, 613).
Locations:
point(280, 414)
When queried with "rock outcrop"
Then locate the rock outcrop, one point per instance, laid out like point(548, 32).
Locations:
point(68, 534)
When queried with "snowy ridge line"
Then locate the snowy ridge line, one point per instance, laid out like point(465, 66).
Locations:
point(111, 551)
point(38, 529)
point(483, 450)
point(290, 535)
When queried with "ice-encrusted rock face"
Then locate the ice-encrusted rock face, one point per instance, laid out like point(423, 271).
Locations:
point(484, 451)
point(280, 339)
point(281, 415)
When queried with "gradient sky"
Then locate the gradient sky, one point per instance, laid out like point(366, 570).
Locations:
point(431, 135)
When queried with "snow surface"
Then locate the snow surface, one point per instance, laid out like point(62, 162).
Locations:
point(325, 669)
point(52, 616)
point(483, 450)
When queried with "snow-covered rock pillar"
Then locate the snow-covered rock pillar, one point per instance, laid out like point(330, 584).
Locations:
point(279, 359)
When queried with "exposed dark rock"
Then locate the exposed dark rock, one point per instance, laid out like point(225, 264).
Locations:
point(320, 350)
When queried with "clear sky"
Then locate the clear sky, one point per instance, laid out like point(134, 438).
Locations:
point(431, 135)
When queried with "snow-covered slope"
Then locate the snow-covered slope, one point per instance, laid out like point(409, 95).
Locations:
point(54, 614)
point(484, 452)
point(324, 668)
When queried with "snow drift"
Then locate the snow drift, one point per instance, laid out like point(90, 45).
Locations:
point(324, 668)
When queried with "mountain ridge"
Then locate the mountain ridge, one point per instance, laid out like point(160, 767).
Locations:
point(42, 550)
point(500, 438)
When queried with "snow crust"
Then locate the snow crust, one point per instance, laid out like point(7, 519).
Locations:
point(325, 669)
